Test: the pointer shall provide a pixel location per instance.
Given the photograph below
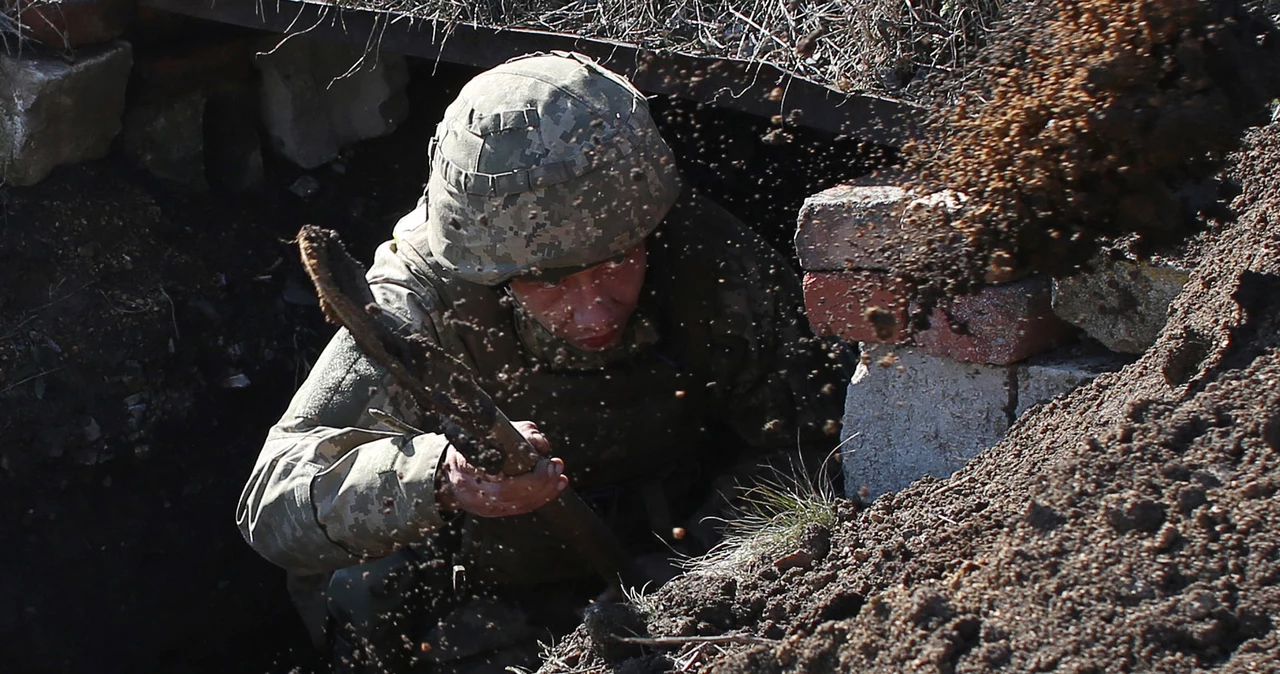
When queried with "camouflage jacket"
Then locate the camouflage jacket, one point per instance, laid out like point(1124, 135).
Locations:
point(716, 356)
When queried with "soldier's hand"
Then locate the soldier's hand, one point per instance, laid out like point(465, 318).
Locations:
point(465, 487)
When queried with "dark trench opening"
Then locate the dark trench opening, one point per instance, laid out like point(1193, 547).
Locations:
point(131, 425)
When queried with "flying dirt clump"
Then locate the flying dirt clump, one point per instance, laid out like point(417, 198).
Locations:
point(1094, 119)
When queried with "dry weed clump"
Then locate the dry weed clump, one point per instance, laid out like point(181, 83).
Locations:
point(850, 45)
point(1096, 118)
point(14, 33)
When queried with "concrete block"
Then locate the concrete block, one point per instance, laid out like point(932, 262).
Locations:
point(72, 24)
point(857, 306)
point(315, 100)
point(1001, 324)
point(1121, 304)
point(909, 414)
point(851, 227)
point(54, 111)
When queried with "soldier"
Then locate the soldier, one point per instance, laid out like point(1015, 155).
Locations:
point(648, 337)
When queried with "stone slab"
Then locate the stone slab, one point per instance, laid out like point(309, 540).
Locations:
point(1040, 382)
point(319, 97)
point(54, 111)
point(1122, 304)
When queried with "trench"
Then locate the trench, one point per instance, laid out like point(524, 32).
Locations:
point(122, 550)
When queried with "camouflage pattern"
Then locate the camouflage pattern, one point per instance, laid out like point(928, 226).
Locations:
point(731, 368)
point(545, 162)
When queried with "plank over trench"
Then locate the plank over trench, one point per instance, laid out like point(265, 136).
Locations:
point(730, 83)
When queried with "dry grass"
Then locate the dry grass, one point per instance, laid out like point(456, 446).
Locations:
point(769, 516)
point(850, 45)
point(13, 34)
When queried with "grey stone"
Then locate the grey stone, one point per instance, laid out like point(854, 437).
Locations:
point(909, 414)
point(1121, 304)
point(54, 111)
point(1041, 382)
point(319, 97)
point(166, 137)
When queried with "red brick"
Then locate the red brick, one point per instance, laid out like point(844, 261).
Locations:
point(844, 304)
point(1001, 324)
point(77, 23)
point(206, 66)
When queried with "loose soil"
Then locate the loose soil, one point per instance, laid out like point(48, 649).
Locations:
point(1092, 120)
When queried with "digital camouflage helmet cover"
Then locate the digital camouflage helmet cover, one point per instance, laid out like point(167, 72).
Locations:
point(544, 164)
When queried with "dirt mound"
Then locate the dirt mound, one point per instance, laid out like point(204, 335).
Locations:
point(1091, 119)
point(1124, 527)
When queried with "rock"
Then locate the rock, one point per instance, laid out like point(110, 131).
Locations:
point(92, 431)
point(57, 112)
point(166, 138)
point(72, 24)
point(305, 187)
point(1121, 304)
point(910, 414)
point(238, 380)
point(315, 101)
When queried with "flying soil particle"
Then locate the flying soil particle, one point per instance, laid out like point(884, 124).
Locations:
point(1091, 119)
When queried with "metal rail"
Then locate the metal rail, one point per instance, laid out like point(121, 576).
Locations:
point(750, 87)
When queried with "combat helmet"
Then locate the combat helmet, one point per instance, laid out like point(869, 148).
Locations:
point(547, 163)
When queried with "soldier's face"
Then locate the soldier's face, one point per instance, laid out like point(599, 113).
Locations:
point(588, 309)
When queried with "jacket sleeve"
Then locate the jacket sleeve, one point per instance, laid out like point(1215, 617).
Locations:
point(329, 489)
